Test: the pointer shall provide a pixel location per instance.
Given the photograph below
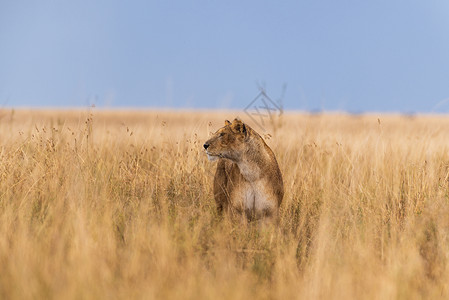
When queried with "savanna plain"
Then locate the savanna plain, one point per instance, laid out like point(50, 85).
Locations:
point(119, 205)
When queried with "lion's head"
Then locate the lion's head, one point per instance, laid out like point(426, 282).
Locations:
point(228, 142)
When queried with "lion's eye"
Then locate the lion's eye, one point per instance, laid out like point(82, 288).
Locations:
point(222, 134)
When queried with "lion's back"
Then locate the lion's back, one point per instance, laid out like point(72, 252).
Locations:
point(273, 172)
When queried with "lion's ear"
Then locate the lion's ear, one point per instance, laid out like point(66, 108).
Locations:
point(244, 129)
point(227, 123)
point(238, 126)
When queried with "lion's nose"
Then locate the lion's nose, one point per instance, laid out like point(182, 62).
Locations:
point(206, 146)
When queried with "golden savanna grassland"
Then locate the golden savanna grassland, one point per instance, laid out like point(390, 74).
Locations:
point(119, 205)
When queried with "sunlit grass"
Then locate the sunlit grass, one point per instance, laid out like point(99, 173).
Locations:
point(115, 204)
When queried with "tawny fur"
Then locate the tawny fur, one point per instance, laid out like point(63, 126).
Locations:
point(248, 180)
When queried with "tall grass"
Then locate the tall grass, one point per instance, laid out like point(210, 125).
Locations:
point(119, 205)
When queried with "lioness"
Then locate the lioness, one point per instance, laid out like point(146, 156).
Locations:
point(248, 180)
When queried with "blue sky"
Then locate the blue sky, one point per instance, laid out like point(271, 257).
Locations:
point(332, 55)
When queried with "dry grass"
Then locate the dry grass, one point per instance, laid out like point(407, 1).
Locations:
point(119, 205)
